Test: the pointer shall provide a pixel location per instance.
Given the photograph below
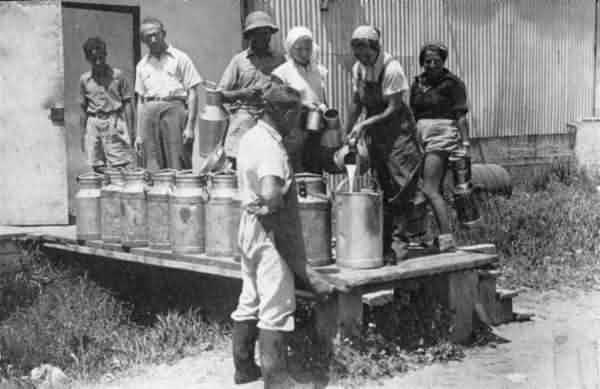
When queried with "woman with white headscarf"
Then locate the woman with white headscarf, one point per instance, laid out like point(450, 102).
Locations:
point(302, 72)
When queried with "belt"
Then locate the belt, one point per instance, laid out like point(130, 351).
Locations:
point(170, 98)
point(104, 115)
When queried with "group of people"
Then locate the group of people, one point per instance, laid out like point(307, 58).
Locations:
point(411, 133)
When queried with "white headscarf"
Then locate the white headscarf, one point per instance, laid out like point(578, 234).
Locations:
point(297, 33)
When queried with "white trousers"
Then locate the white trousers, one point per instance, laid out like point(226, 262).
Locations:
point(268, 291)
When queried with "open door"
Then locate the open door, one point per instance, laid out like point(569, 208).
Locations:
point(33, 168)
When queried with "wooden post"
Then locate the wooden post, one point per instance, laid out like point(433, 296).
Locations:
point(339, 317)
point(457, 291)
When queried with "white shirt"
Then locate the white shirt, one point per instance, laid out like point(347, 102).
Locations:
point(309, 80)
point(260, 154)
point(394, 80)
point(171, 75)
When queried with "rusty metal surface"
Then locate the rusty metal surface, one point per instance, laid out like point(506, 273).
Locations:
point(528, 65)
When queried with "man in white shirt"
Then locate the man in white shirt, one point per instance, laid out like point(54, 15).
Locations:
point(166, 82)
point(271, 243)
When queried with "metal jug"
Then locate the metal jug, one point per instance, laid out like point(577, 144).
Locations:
point(187, 227)
point(464, 201)
point(359, 235)
point(134, 209)
point(313, 118)
point(332, 136)
point(314, 209)
point(223, 213)
point(110, 203)
point(212, 122)
point(163, 182)
point(87, 202)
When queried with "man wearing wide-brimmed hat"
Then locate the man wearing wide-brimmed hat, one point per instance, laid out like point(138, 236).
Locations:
point(246, 76)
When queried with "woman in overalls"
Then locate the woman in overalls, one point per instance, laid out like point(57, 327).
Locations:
point(379, 87)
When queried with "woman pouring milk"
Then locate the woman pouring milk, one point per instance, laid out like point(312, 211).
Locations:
point(303, 72)
point(379, 88)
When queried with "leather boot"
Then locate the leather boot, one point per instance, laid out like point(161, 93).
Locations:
point(273, 360)
point(244, 337)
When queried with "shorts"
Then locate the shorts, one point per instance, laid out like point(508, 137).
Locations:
point(107, 142)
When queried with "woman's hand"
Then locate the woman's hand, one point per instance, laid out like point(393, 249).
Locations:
point(356, 133)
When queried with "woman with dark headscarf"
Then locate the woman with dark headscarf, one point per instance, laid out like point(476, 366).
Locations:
point(438, 99)
point(379, 88)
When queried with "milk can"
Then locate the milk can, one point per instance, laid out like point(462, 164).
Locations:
point(134, 209)
point(212, 122)
point(314, 209)
point(163, 182)
point(464, 201)
point(87, 202)
point(110, 204)
point(187, 211)
point(359, 236)
point(223, 212)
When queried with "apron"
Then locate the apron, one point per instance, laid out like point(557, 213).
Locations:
point(393, 149)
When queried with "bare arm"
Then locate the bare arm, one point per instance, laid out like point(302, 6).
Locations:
point(129, 118)
point(83, 116)
point(138, 131)
point(354, 111)
point(192, 116)
point(395, 103)
point(271, 193)
point(463, 128)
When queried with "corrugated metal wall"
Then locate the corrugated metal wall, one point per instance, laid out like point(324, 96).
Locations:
point(528, 64)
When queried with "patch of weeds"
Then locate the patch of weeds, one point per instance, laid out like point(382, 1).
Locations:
point(546, 236)
point(71, 322)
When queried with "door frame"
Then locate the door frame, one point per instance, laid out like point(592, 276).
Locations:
point(133, 10)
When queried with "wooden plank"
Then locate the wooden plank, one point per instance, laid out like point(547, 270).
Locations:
point(412, 268)
point(199, 266)
point(146, 251)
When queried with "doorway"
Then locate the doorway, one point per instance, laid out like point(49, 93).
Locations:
point(118, 26)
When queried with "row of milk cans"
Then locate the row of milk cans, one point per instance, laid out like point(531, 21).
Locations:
point(168, 210)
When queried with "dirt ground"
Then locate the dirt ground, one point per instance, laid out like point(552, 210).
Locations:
point(559, 348)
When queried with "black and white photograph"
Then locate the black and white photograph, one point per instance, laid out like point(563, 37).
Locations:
point(206, 194)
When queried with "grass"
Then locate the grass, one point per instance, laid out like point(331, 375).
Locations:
point(70, 321)
point(547, 235)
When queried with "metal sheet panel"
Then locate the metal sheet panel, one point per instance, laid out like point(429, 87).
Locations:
point(528, 64)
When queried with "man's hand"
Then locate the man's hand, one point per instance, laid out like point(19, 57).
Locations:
point(258, 208)
point(138, 144)
point(250, 93)
point(188, 135)
point(320, 285)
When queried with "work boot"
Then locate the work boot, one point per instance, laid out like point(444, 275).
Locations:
point(273, 361)
point(244, 337)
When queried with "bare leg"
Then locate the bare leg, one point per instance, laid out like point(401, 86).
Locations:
point(433, 174)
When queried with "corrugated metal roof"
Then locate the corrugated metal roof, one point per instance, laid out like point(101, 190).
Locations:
point(528, 64)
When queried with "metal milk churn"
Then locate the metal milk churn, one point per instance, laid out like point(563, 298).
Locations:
point(187, 209)
point(212, 124)
point(359, 236)
point(110, 204)
point(163, 182)
point(314, 209)
point(223, 213)
point(134, 209)
point(464, 201)
point(87, 202)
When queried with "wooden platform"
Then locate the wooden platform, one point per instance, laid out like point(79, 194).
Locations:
point(456, 274)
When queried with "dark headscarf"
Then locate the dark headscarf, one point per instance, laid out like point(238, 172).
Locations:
point(438, 47)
